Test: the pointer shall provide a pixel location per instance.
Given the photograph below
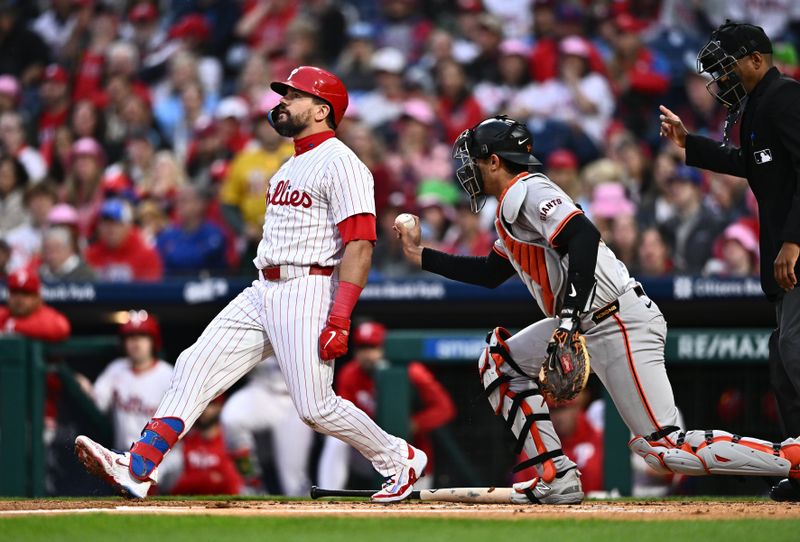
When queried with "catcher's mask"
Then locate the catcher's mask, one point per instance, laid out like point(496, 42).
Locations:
point(500, 135)
point(730, 43)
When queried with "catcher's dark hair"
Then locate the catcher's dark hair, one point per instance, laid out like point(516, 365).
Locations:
point(513, 167)
point(329, 120)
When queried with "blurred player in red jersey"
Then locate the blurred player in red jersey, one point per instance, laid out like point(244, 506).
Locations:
point(433, 405)
point(207, 467)
point(26, 313)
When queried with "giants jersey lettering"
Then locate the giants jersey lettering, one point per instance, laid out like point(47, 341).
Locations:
point(132, 397)
point(308, 196)
point(531, 214)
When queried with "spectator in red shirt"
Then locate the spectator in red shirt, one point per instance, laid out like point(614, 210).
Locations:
point(264, 24)
point(54, 94)
point(355, 383)
point(458, 109)
point(27, 315)
point(579, 440)
point(89, 70)
point(637, 75)
point(466, 236)
point(120, 254)
point(207, 467)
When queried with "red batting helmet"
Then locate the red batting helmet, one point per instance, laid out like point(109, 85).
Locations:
point(370, 334)
point(142, 323)
point(319, 83)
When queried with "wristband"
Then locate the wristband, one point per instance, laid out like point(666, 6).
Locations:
point(346, 298)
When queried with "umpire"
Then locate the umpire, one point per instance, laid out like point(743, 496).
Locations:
point(739, 60)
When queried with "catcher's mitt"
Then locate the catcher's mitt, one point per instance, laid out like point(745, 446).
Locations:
point(566, 370)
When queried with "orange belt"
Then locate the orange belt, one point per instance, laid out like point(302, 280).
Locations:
point(274, 272)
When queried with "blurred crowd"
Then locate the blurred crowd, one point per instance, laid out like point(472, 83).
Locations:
point(134, 143)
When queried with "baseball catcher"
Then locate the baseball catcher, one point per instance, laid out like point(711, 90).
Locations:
point(593, 307)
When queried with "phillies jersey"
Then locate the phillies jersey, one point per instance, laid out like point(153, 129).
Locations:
point(532, 212)
point(131, 396)
point(320, 186)
point(207, 467)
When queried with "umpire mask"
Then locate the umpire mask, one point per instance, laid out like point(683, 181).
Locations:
point(730, 43)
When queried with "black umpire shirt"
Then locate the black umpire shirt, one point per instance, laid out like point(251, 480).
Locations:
point(769, 158)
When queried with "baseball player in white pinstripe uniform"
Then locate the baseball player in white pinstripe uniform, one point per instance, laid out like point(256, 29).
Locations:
point(579, 284)
point(313, 261)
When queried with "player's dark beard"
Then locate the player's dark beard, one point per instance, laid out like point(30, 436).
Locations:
point(291, 125)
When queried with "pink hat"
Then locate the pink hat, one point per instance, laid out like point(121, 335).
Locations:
point(63, 213)
point(266, 103)
point(744, 235)
point(609, 200)
point(575, 45)
point(420, 111)
point(87, 146)
point(515, 47)
point(9, 85)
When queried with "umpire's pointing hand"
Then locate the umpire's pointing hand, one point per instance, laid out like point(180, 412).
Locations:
point(672, 127)
point(784, 265)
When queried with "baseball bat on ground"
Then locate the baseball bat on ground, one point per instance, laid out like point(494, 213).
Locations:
point(486, 495)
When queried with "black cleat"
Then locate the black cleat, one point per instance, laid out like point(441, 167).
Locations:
point(787, 490)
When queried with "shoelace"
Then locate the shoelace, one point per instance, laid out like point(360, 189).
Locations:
point(388, 482)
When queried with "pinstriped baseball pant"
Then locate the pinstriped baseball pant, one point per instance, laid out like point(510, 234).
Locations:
point(284, 318)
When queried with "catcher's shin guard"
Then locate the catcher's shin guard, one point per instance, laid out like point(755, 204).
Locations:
point(697, 453)
point(525, 412)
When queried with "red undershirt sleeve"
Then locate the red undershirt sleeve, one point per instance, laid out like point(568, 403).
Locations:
point(360, 227)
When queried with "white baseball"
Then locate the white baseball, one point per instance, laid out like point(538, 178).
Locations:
point(406, 220)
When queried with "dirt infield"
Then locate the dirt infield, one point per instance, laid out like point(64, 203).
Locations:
point(632, 510)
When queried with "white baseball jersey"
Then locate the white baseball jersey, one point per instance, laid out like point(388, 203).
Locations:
point(307, 197)
point(131, 396)
point(532, 212)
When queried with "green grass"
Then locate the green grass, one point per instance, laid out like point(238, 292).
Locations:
point(124, 528)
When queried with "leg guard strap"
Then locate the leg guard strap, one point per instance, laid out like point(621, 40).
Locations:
point(541, 458)
point(529, 421)
point(517, 400)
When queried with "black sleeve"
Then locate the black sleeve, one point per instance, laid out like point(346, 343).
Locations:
point(706, 153)
point(488, 271)
point(580, 239)
point(785, 115)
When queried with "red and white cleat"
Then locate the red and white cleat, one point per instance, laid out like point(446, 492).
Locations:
point(400, 486)
point(112, 467)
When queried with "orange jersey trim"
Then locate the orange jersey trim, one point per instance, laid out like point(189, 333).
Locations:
point(499, 252)
point(635, 375)
point(562, 224)
point(506, 189)
point(532, 260)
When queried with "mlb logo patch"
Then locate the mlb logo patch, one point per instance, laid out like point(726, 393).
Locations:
point(763, 156)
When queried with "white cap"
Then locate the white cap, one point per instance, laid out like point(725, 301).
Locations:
point(389, 60)
point(232, 106)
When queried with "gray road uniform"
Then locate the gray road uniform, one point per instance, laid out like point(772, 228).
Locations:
point(625, 334)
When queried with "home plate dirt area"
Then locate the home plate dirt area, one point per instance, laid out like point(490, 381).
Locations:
point(637, 510)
